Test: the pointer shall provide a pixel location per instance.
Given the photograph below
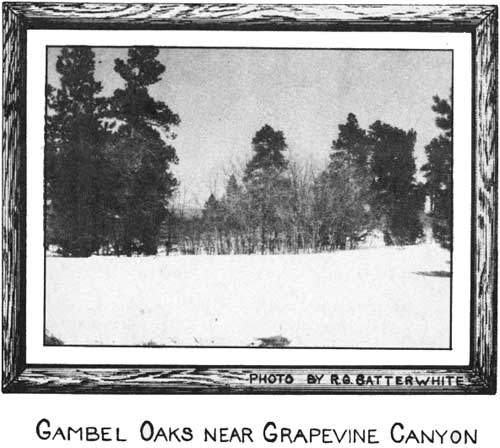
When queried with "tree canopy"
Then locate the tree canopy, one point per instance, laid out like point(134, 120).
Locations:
point(438, 173)
point(107, 159)
point(76, 191)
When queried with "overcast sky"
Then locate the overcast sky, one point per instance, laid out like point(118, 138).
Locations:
point(223, 96)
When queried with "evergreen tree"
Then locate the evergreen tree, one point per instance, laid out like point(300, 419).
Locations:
point(353, 140)
point(444, 120)
point(267, 184)
point(268, 146)
point(213, 213)
point(398, 200)
point(342, 204)
point(76, 195)
point(343, 190)
point(140, 153)
point(438, 173)
point(234, 207)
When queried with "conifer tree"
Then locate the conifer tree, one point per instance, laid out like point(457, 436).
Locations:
point(140, 153)
point(266, 184)
point(76, 196)
point(343, 190)
point(268, 146)
point(233, 204)
point(438, 173)
point(398, 199)
point(353, 140)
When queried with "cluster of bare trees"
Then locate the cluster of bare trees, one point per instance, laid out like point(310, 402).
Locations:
point(274, 220)
point(278, 206)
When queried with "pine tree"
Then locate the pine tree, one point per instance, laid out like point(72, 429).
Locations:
point(140, 153)
point(76, 196)
point(233, 203)
point(343, 190)
point(268, 146)
point(267, 185)
point(398, 200)
point(438, 173)
point(444, 120)
point(353, 140)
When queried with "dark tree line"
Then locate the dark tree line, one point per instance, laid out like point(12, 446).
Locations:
point(107, 161)
point(438, 173)
point(279, 207)
point(109, 182)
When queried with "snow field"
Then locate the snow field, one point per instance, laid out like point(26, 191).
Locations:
point(374, 297)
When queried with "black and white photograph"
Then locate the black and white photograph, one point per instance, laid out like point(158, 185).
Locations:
point(248, 197)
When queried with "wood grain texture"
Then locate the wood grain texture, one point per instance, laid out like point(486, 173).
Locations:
point(480, 21)
point(13, 214)
point(486, 171)
point(237, 16)
point(237, 380)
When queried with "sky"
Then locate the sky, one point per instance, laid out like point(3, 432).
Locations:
point(224, 96)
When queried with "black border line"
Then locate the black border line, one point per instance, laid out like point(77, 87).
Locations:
point(22, 330)
point(237, 48)
point(45, 208)
point(452, 234)
point(250, 367)
point(473, 264)
point(252, 347)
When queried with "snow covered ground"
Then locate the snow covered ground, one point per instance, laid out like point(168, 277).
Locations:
point(374, 297)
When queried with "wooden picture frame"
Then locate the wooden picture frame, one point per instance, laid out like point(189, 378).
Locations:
point(478, 377)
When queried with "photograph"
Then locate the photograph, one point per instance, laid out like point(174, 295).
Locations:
point(250, 197)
